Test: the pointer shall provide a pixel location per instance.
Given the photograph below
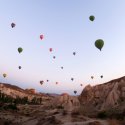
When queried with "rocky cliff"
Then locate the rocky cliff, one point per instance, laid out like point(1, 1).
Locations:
point(104, 96)
point(15, 91)
point(68, 102)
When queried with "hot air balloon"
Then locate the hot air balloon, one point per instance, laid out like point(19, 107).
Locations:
point(74, 53)
point(72, 79)
point(13, 25)
point(19, 67)
point(75, 91)
point(20, 49)
point(81, 84)
point(62, 67)
point(56, 82)
point(92, 77)
point(99, 44)
point(47, 80)
point(41, 37)
point(4, 75)
point(41, 82)
point(54, 57)
point(50, 49)
point(92, 18)
point(101, 76)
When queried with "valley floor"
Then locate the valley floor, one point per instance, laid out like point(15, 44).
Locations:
point(42, 115)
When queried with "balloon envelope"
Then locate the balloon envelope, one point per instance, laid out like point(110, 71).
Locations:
point(41, 37)
point(50, 49)
point(74, 53)
point(41, 82)
point(4, 75)
point(62, 67)
point(92, 77)
point(19, 67)
point(75, 92)
point(13, 25)
point(54, 57)
point(101, 76)
point(99, 44)
point(92, 18)
point(20, 49)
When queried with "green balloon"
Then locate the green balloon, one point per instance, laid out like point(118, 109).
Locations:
point(92, 18)
point(99, 44)
point(20, 49)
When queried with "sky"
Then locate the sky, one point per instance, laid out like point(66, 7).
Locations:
point(66, 28)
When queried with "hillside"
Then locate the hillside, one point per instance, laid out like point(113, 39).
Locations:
point(107, 96)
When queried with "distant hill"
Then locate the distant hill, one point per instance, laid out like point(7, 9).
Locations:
point(15, 91)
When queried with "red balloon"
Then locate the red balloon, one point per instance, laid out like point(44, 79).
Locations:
point(41, 37)
point(50, 49)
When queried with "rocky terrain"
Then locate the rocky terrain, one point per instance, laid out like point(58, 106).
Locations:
point(102, 104)
point(104, 97)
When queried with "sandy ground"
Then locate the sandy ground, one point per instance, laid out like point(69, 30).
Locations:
point(40, 115)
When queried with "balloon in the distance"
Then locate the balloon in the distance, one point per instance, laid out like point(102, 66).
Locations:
point(4, 75)
point(41, 82)
point(62, 67)
point(13, 25)
point(75, 91)
point(20, 49)
point(92, 77)
point(101, 76)
point(50, 49)
point(99, 44)
point(54, 57)
point(19, 67)
point(92, 18)
point(41, 37)
point(74, 53)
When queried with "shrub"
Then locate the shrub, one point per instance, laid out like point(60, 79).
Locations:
point(11, 106)
point(64, 112)
point(75, 113)
point(60, 107)
point(102, 115)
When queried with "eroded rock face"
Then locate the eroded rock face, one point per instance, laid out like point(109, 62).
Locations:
point(68, 102)
point(15, 92)
point(104, 96)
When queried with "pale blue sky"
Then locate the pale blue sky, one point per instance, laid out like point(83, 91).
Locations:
point(66, 28)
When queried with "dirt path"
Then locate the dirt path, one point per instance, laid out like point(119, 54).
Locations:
point(103, 122)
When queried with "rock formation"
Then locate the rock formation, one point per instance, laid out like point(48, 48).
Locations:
point(68, 102)
point(15, 92)
point(104, 96)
